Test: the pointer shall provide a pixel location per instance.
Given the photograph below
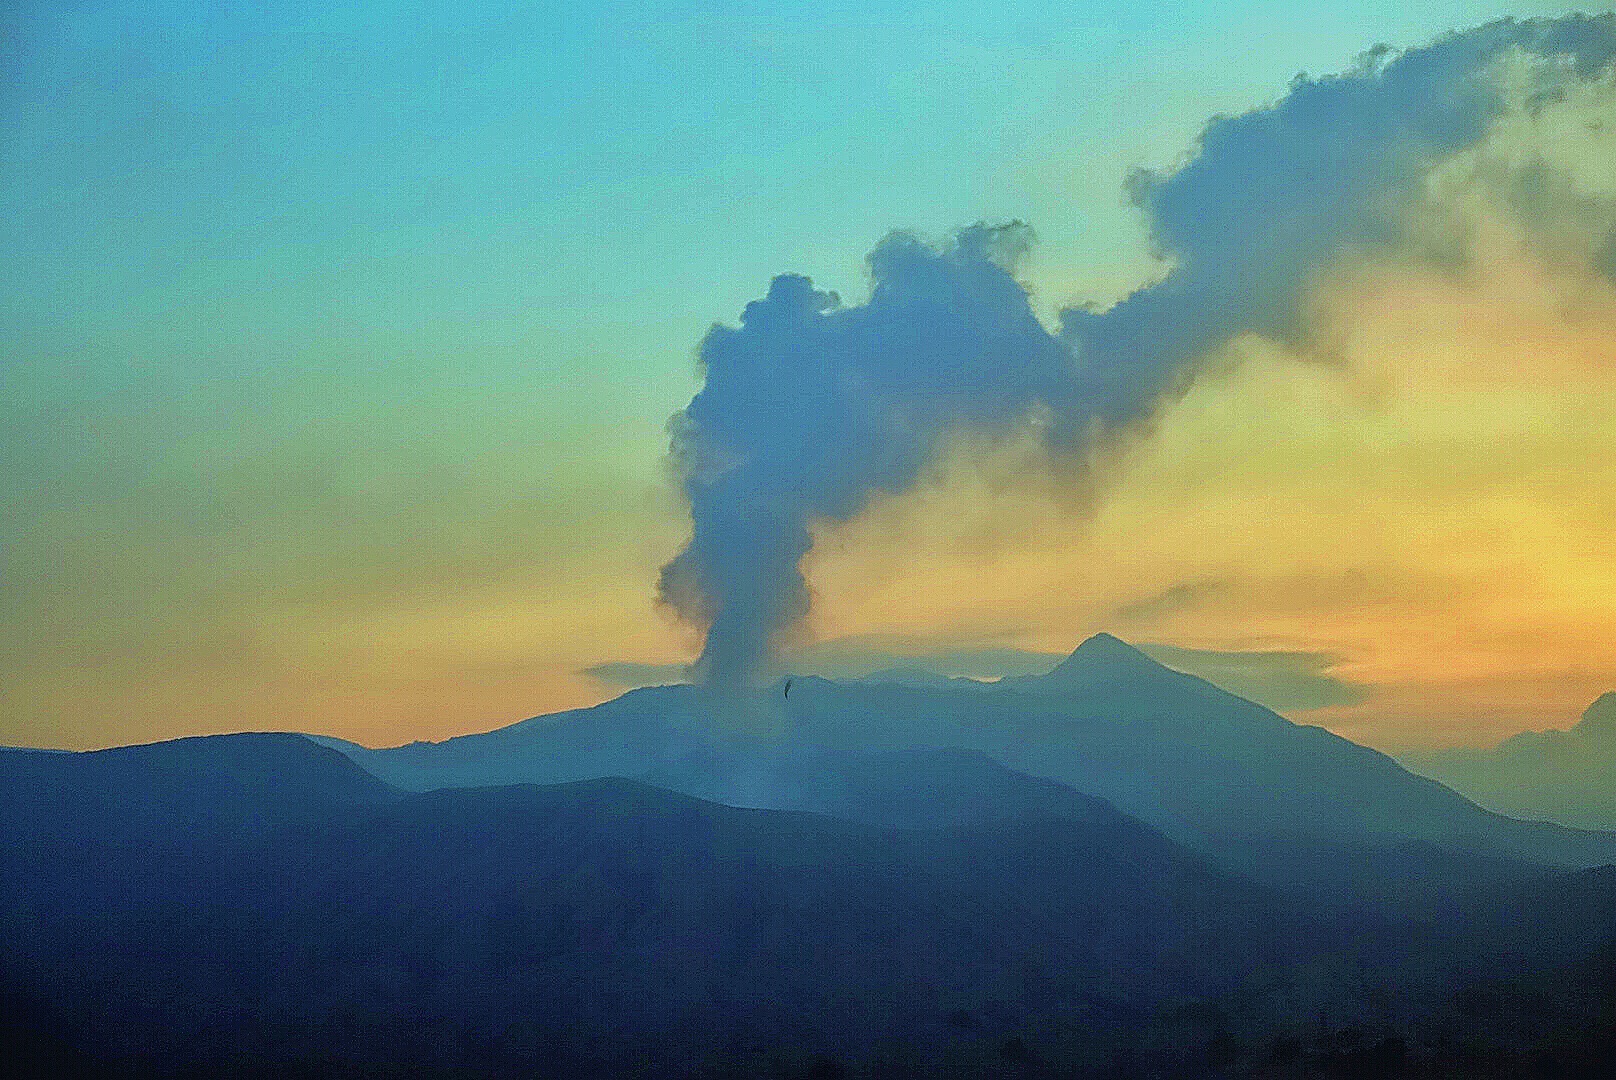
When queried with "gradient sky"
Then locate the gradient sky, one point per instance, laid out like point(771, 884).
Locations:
point(340, 345)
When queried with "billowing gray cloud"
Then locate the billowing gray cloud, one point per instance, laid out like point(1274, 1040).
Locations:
point(1274, 195)
point(810, 407)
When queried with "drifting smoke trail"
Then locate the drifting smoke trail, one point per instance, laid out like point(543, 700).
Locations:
point(810, 407)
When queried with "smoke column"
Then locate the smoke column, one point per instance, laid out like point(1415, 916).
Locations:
point(810, 407)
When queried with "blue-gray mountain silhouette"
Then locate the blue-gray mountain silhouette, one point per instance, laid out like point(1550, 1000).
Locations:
point(1564, 776)
point(231, 894)
point(259, 906)
point(1223, 775)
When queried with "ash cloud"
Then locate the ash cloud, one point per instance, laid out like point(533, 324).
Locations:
point(811, 407)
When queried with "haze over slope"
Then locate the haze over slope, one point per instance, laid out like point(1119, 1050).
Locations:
point(1206, 767)
point(1564, 776)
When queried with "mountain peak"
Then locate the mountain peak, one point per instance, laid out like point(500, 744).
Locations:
point(1104, 649)
point(1106, 657)
point(1600, 719)
point(1103, 643)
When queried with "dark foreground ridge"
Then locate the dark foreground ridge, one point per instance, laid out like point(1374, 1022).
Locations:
point(835, 889)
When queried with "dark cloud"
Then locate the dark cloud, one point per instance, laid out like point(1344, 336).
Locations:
point(1273, 196)
point(811, 407)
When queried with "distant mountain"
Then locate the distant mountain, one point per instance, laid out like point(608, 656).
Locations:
point(1563, 776)
point(1289, 803)
point(252, 900)
point(222, 786)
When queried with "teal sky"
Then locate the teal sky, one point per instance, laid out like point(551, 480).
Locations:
point(306, 306)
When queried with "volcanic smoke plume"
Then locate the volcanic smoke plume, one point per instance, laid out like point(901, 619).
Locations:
point(810, 407)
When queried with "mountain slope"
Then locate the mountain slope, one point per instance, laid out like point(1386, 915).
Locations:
point(1563, 776)
point(1208, 768)
point(218, 785)
point(164, 821)
point(591, 927)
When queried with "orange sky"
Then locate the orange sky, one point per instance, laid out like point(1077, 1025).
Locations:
point(1427, 493)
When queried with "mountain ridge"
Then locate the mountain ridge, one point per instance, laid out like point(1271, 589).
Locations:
point(1565, 775)
point(1187, 757)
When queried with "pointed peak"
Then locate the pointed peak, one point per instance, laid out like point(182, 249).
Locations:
point(1107, 647)
point(1600, 718)
point(1103, 643)
point(1104, 656)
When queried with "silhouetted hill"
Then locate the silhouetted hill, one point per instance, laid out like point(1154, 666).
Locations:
point(256, 897)
point(213, 781)
point(257, 906)
point(1290, 803)
point(1563, 776)
point(165, 819)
